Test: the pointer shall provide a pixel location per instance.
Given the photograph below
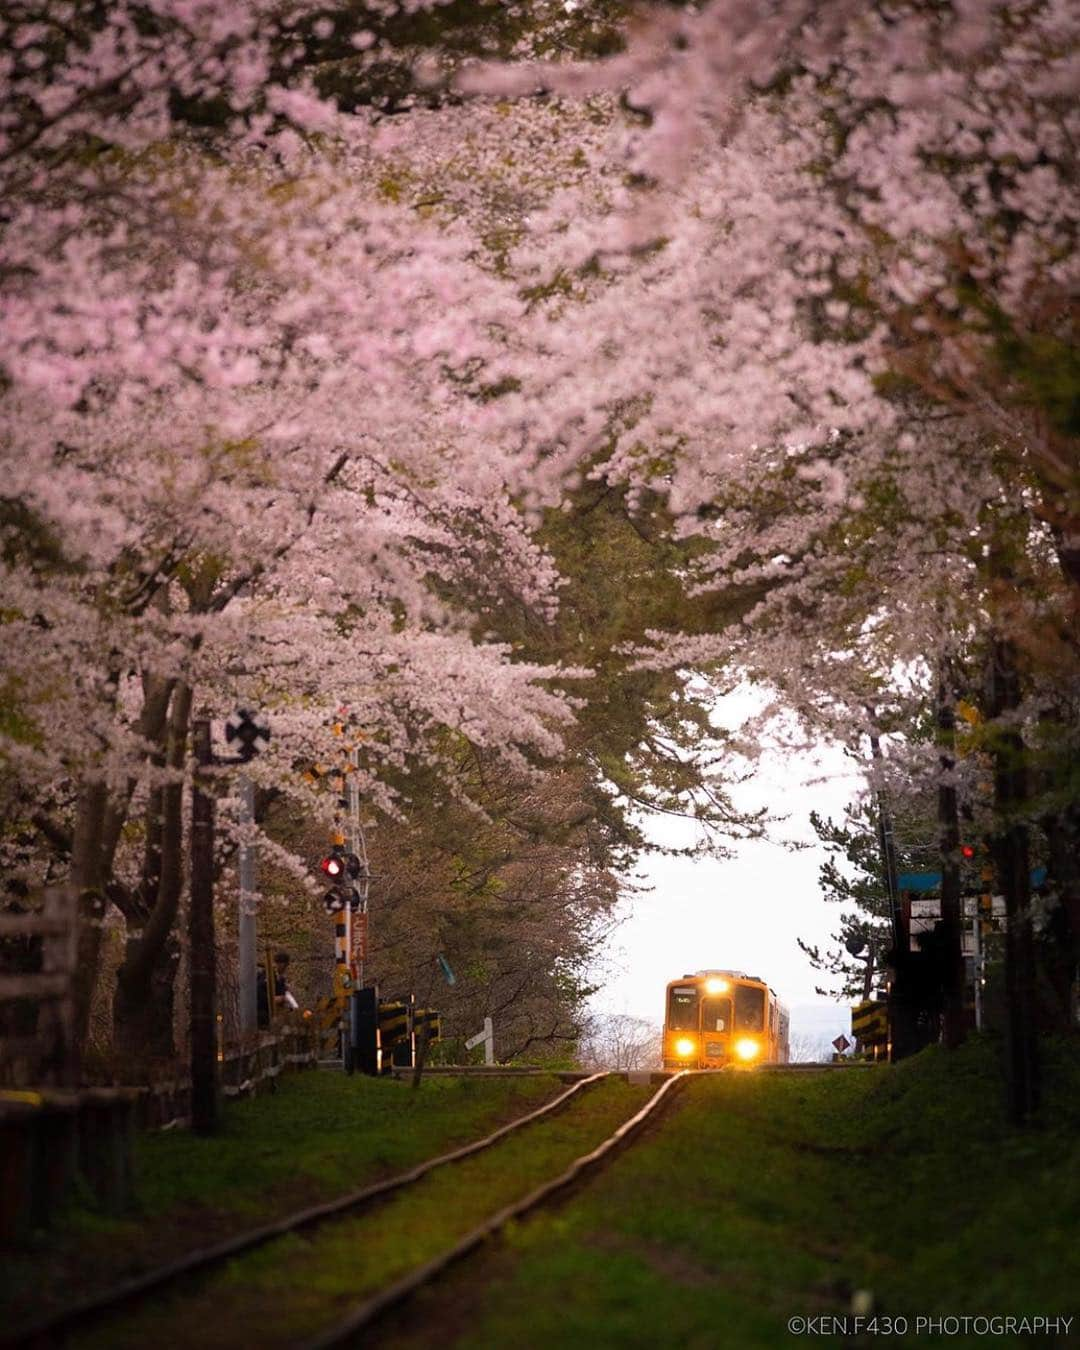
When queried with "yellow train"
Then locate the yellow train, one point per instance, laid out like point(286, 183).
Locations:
point(718, 1017)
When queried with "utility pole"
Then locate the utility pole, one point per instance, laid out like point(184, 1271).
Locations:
point(253, 736)
point(900, 1012)
point(201, 947)
point(870, 968)
point(357, 845)
point(887, 844)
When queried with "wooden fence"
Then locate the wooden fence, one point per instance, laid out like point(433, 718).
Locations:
point(37, 1005)
point(55, 1142)
point(56, 1138)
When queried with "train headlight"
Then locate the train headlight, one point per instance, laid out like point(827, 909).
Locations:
point(716, 986)
point(685, 1047)
point(747, 1049)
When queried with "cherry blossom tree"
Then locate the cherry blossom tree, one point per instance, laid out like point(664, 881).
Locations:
point(289, 383)
point(239, 467)
point(855, 229)
point(248, 337)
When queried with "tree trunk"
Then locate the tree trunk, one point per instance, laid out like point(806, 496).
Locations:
point(99, 822)
point(143, 1007)
point(1010, 850)
point(952, 950)
point(201, 939)
point(1063, 945)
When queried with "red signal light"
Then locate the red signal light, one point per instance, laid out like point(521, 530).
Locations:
point(333, 866)
point(967, 850)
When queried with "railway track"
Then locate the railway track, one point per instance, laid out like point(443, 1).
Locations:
point(54, 1330)
point(367, 1313)
point(95, 1319)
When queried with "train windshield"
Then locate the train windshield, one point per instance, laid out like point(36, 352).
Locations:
point(683, 1008)
point(716, 1014)
point(749, 1008)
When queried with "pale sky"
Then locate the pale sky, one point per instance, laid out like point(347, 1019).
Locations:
point(740, 914)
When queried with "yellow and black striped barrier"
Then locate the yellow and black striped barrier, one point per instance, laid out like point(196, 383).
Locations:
point(394, 1019)
point(401, 1024)
point(870, 1024)
point(394, 1026)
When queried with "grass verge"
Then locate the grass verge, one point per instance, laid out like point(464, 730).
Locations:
point(318, 1135)
point(283, 1293)
point(768, 1197)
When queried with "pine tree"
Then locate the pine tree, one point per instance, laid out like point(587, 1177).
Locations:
point(858, 957)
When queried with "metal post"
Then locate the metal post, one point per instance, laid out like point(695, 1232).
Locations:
point(899, 1011)
point(357, 845)
point(346, 919)
point(487, 1038)
point(201, 939)
point(887, 844)
point(489, 1042)
point(246, 917)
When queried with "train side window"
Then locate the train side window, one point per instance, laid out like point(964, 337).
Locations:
point(683, 1008)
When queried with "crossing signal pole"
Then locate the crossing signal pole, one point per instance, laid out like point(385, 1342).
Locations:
point(346, 868)
point(358, 845)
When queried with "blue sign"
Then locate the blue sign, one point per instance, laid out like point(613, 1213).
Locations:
point(919, 882)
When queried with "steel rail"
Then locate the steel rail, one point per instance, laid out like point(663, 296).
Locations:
point(100, 1305)
point(369, 1311)
point(813, 1066)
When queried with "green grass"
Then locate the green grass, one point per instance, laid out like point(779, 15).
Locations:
point(766, 1197)
point(293, 1287)
point(760, 1197)
point(318, 1135)
point(322, 1134)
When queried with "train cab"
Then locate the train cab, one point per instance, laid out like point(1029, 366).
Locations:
point(715, 1018)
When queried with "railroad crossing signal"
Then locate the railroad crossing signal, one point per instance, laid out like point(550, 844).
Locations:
point(340, 898)
point(250, 730)
point(338, 864)
point(342, 868)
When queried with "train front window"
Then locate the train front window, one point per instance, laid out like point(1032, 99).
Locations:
point(749, 1008)
point(683, 1008)
point(715, 1014)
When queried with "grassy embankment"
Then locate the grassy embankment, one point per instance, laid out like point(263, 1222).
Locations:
point(283, 1293)
point(767, 1197)
point(318, 1136)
